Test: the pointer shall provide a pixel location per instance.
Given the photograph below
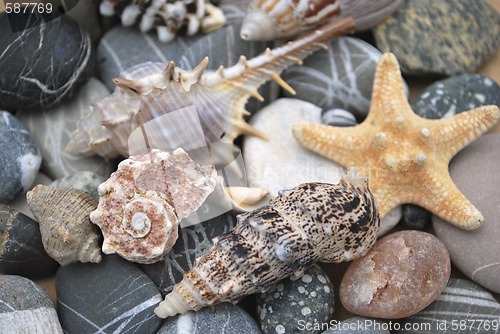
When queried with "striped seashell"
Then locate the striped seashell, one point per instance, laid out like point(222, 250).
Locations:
point(267, 20)
point(166, 16)
point(177, 108)
point(141, 204)
point(309, 223)
point(63, 215)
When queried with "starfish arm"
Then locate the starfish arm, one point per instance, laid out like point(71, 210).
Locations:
point(333, 142)
point(453, 133)
point(388, 96)
point(445, 200)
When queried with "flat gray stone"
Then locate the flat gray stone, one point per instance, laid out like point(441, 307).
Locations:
point(224, 318)
point(357, 325)
point(475, 172)
point(26, 308)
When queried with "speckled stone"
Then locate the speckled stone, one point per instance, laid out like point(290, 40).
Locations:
point(224, 318)
point(113, 296)
point(338, 117)
point(26, 308)
point(51, 129)
point(357, 325)
point(192, 241)
point(86, 181)
point(475, 172)
point(44, 65)
point(21, 247)
point(340, 76)
point(296, 304)
point(123, 47)
point(399, 276)
point(20, 160)
point(281, 162)
point(463, 307)
point(456, 94)
point(445, 37)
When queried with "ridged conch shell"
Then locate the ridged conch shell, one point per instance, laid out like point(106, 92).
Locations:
point(167, 16)
point(140, 205)
point(63, 214)
point(267, 20)
point(174, 105)
point(309, 223)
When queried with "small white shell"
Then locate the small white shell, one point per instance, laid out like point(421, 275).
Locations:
point(166, 16)
point(142, 202)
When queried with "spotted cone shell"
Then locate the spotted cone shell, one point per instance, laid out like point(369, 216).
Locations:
point(309, 223)
point(140, 205)
point(63, 214)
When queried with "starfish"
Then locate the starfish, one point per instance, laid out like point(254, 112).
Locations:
point(405, 156)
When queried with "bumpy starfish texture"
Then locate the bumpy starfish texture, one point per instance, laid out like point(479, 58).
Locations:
point(405, 156)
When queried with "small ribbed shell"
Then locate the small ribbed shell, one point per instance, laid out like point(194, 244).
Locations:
point(177, 108)
point(63, 214)
point(309, 223)
point(140, 205)
point(267, 20)
point(167, 17)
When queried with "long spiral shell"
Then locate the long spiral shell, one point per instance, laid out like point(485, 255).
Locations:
point(271, 19)
point(140, 205)
point(174, 105)
point(63, 215)
point(309, 223)
point(166, 16)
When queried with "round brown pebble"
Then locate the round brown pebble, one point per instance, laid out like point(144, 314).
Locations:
point(402, 274)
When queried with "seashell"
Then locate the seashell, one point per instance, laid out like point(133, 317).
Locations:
point(187, 109)
point(140, 205)
point(63, 215)
point(309, 223)
point(168, 17)
point(267, 20)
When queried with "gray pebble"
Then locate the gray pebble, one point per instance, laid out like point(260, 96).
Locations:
point(338, 117)
point(20, 160)
point(86, 181)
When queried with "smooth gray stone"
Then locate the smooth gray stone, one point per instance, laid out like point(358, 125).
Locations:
point(234, 10)
point(415, 217)
point(340, 76)
point(20, 160)
point(455, 95)
point(86, 181)
point(224, 318)
point(463, 307)
point(121, 48)
point(295, 304)
point(357, 325)
point(51, 129)
point(21, 247)
point(44, 65)
point(474, 170)
point(113, 296)
point(338, 117)
point(26, 308)
point(440, 37)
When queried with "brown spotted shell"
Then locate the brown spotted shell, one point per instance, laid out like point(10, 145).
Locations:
point(63, 214)
point(309, 223)
point(140, 205)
